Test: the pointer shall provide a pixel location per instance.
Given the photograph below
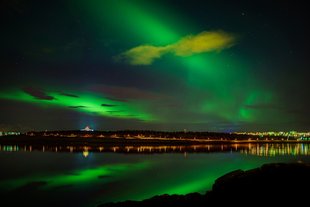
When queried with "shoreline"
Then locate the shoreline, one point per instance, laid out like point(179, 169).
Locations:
point(20, 139)
point(134, 140)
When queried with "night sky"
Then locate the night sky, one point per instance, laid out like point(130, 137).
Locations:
point(157, 65)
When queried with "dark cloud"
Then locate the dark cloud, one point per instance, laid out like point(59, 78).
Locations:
point(76, 107)
point(32, 186)
point(108, 105)
point(115, 111)
point(104, 176)
point(117, 99)
point(68, 94)
point(38, 93)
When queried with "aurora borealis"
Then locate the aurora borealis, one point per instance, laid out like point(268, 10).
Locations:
point(162, 65)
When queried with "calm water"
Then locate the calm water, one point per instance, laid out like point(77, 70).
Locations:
point(85, 176)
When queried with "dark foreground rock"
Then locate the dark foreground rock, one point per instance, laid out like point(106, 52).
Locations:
point(272, 184)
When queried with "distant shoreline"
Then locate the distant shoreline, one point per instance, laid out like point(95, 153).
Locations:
point(129, 141)
point(90, 137)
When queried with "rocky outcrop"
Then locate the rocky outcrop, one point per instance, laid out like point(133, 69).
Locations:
point(271, 184)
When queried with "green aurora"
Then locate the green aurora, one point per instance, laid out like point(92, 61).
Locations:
point(84, 102)
point(144, 62)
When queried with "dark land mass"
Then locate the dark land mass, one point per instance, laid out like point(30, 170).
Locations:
point(272, 184)
point(137, 142)
point(149, 134)
point(135, 137)
point(89, 141)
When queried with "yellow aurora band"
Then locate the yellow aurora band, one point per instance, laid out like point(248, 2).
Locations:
point(206, 41)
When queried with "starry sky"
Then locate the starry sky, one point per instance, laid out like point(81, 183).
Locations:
point(155, 65)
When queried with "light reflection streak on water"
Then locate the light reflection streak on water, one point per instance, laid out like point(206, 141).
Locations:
point(265, 149)
point(278, 149)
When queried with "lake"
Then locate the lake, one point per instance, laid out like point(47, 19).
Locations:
point(88, 176)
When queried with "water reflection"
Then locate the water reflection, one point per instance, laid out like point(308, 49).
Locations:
point(278, 149)
point(265, 149)
point(66, 179)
